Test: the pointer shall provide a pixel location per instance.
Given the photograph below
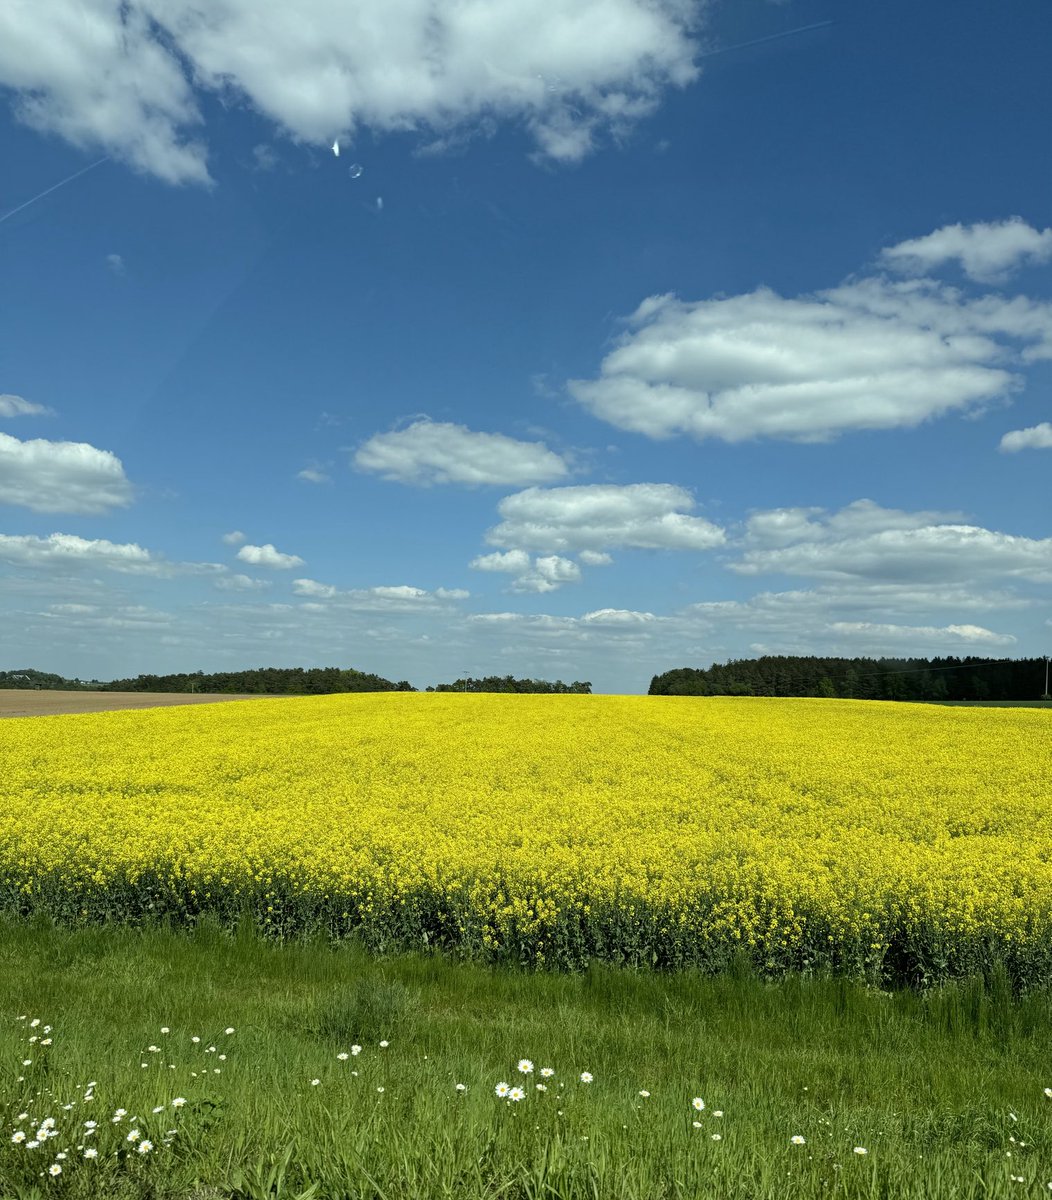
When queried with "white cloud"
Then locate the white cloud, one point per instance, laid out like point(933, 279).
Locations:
point(313, 475)
point(452, 593)
point(106, 74)
point(66, 477)
point(864, 541)
point(311, 587)
point(115, 263)
point(986, 252)
point(429, 452)
point(647, 516)
point(871, 354)
point(234, 538)
point(268, 556)
point(618, 618)
point(515, 561)
point(595, 558)
point(241, 583)
point(67, 551)
point(1036, 437)
point(15, 406)
point(547, 574)
point(883, 634)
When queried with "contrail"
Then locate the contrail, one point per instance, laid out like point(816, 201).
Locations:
point(771, 37)
point(48, 191)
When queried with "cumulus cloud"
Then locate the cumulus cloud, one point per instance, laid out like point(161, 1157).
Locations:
point(1036, 437)
point(234, 538)
point(649, 516)
point(618, 618)
point(452, 593)
point(67, 551)
point(871, 354)
point(66, 477)
point(118, 75)
point(515, 561)
point(268, 556)
point(864, 541)
point(542, 574)
point(429, 452)
point(885, 634)
point(241, 583)
point(986, 252)
point(311, 587)
point(15, 406)
point(595, 558)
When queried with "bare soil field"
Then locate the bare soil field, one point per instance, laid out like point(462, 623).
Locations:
point(16, 702)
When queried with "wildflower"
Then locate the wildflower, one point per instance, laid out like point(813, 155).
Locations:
point(698, 1103)
point(27, 1062)
point(541, 1087)
point(46, 1042)
point(797, 1140)
point(342, 1056)
point(502, 1089)
point(178, 1102)
point(91, 1152)
point(195, 1040)
point(133, 1135)
point(696, 1124)
point(19, 1136)
point(34, 1023)
point(384, 1045)
point(145, 1146)
point(315, 1082)
point(525, 1066)
point(66, 1107)
point(547, 1072)
point(159, 1108)
point(153, 1049)
point(356, 1050)
point(230, 1030)
point(462, 1087)
point(379, 1089)
point(861, 1150)
point(23, 1117)
point(54, 1169)
point(62, 1154)
point(516, 1094)
point(165, 1029)
point(717, 1137)
point(645, 1094)
point(90, 1125)
point(718, 1112)
point(32, 1145)
point(586, 1077)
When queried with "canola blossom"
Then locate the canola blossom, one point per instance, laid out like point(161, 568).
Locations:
point(894, 842)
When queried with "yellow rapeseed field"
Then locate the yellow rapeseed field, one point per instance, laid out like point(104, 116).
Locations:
point(888, 840)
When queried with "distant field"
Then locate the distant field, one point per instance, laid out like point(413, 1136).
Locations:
point(16, 702)
point(995, 703)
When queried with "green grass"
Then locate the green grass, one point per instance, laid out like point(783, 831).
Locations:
point(926, 1083)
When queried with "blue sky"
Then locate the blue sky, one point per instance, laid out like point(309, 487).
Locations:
point(618, 336)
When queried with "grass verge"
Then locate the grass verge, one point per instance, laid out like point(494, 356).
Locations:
point(944, 1091)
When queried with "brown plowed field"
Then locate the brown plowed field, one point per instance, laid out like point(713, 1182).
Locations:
point(15, 702)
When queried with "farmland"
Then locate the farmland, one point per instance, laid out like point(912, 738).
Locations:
point(894, 844)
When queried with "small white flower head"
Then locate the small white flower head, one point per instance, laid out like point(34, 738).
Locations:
point(384, 1045)
point(861, 1150)
point(62, 1155)
point(645, 1094)
point(159, 1108)
point(153, 1049)
point(541, 1087)
point(42, 1134)
point(698, 1103)
point(379, 1089)
point(356, 1050)
point(525, 1066)
point(717, 1112)
point(133, 1135)
point(34, 1023)
point(18, 1136)
point(1013, 1116)
point(696, 1124)
point(210, 1050)
point(54, 1169)
point(462, 1087)
point(32, 1145)
point(22, 1117)
point(222, 1058)
point(27, 1062)
point(46, 1042)
point(48, 1123)
point(91, 1152)
point(516, 1094)
point(586, 1077)
point(195, 1039)
point(47, 1028)
point(797, 1140)
point(502, 1089)
point(343, 1056)
point(315, 1082)
point(91, 1124)
point(229, 1030)
point(547, 1072)
point(717, 1137)
point(66, 1107)
point(165, 1029)
point(145, 1146)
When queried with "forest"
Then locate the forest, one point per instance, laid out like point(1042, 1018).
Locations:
point(918, 679)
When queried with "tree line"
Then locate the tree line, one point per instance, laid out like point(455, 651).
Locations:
point(505, 683)
point(917, 679)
